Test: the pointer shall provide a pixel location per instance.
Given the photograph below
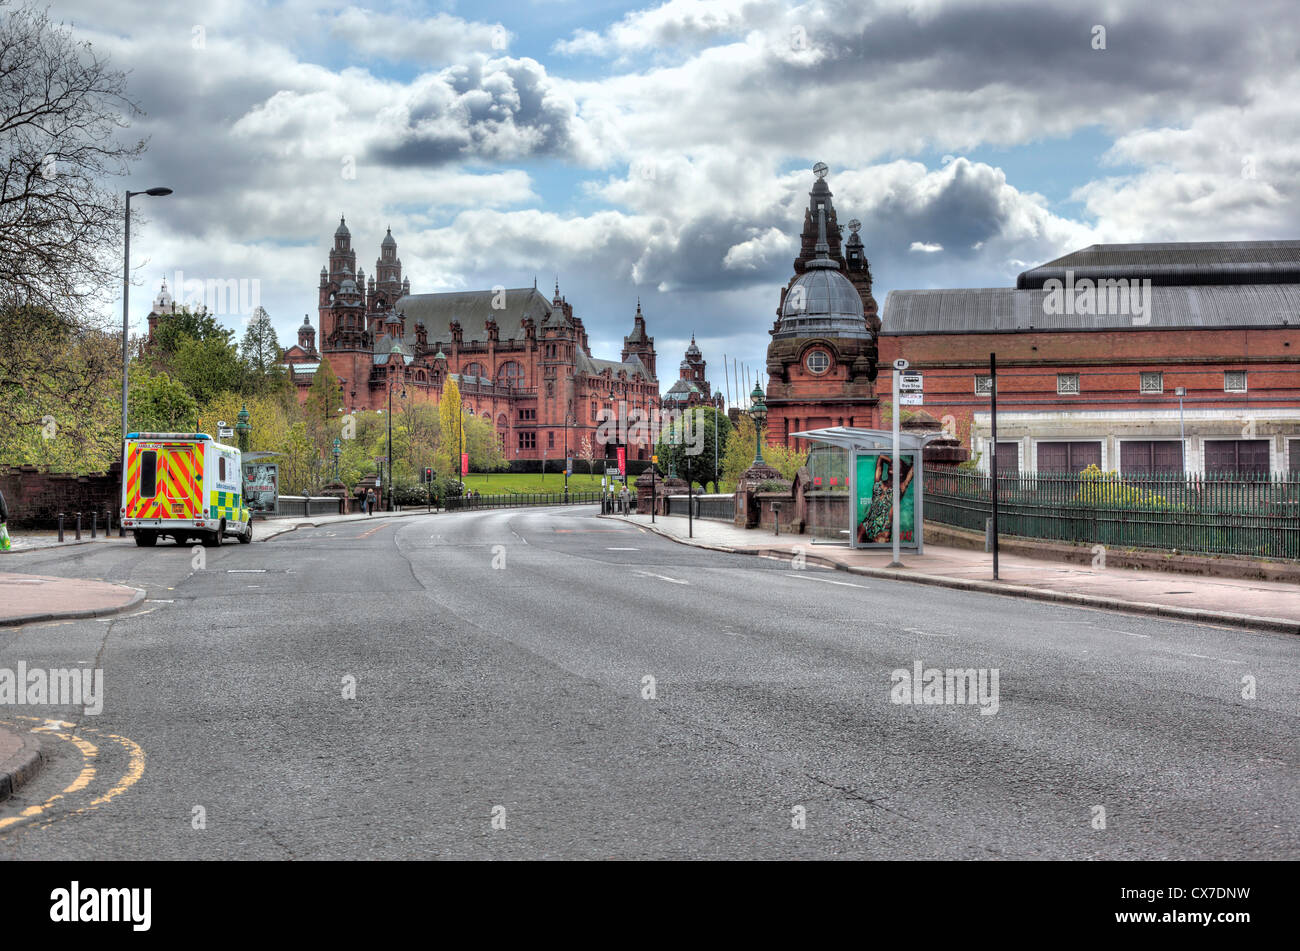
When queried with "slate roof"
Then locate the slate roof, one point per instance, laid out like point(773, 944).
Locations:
point(1177, 263)
point(1010, 310)
point(472, 309)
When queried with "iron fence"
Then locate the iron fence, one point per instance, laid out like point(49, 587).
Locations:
point(720, 507)
point(1210, 514)
point(519, 500)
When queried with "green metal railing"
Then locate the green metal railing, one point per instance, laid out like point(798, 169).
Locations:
point(1233, 514)
point(520, 500)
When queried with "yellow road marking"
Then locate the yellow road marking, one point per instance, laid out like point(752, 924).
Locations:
point(88, 751)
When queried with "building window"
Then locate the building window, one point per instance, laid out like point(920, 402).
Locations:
point(550, 440)
point(1068, 456)
point(474, 369)
point(1152, 383)
point(1008, 458)
point(1236, 457)
point(510, 375)
point(1144, 456)
point(817, 361)
point(983, 385)
point(528, 440)
point(1293, 449)
point(1234, 381)
point(593, 412)
point(1067, 384)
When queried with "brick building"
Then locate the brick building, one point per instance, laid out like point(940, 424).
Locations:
point(692, 388)
point(821, 363)
point(1092, 359)
point(519, 360)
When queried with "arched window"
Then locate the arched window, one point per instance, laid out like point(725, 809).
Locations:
point(474, 369)
point(510, 374)
point(502, 422)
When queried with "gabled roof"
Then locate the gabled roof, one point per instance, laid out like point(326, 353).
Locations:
point(473, 309)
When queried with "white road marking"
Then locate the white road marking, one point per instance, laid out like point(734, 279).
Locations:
point(846, 584)
point(1129, 633)
point(245, 571)
point(651, 574)
point(622, 549)
point(159, 601)
point(913, 630)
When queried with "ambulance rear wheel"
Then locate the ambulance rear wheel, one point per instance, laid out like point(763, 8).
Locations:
point(214, 539)
point(247, 537)
point(145, 539)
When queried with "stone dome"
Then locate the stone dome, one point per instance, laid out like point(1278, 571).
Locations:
point(822, 302)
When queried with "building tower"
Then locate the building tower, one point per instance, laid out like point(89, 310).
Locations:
point(639, 344)
point(821, 362)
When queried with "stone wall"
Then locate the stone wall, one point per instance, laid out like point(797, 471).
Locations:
point(36, 497)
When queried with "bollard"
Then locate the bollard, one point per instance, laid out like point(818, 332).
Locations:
point(988, 535)
point(94, 524)
point(60, 526)
point(78, 526)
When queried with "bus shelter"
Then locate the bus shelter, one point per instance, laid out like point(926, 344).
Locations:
point(851, 497)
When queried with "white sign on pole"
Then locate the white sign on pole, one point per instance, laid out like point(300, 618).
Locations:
point(911, 399)
point(910, 381)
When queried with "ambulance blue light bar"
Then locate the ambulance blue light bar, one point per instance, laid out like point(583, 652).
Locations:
point(168, 436)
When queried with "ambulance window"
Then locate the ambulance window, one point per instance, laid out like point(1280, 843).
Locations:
point(148, 474)
point(221, 469)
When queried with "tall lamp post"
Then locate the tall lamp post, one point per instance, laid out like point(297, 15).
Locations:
point(390, 441)
point(338, 451)
point(126, 316)
point(758, 412)
point(567, 466)
point(242, 429)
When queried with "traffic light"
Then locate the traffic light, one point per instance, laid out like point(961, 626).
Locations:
point(428, 474)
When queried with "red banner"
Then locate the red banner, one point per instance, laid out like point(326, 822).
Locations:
point(464, 463)
point(622, 460)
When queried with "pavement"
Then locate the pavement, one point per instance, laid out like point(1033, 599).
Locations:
point(20, 759)
point(544, 683)
point(1254, 604)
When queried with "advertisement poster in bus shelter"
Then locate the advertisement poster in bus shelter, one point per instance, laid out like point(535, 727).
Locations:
point(875, 514)
point(262, 487)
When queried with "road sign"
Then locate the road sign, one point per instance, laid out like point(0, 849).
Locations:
point(611, 470)
point(900, 364)
point(910, 381)
point(379, 459)
point(911, 399)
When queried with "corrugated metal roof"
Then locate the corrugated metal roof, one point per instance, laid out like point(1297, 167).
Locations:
point(1008, 309)
point(1173, 263)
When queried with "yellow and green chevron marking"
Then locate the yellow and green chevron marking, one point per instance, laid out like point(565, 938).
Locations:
point(227, 505)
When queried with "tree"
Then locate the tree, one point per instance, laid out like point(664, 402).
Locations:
point(453, 430)
point(587, 451)
point(740, 454)
point(62, 112)
point(485, 453)
point(321, 409)
point(160, 404)
point(260, 354)
point(689, 445)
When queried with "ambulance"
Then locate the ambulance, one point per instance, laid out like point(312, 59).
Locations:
point(183, 485)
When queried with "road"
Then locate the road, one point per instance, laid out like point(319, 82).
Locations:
point(502, 709)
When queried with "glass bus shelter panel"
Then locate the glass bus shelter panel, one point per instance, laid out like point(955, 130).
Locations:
point(829, 496)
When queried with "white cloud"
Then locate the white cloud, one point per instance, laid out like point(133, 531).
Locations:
point(927, 248)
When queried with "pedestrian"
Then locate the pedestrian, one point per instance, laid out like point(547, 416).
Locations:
point(4, 524)
point(370, 501)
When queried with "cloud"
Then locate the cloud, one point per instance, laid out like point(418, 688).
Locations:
point(927, 248)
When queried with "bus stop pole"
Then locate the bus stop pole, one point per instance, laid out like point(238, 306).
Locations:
point(893, 472)
point(993, 455)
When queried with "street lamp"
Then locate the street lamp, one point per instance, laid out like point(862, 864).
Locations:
point(338, 451)
point(390, 441)
point(126, 318)
point(758, 412)
point(242, 429)
point(567, 417)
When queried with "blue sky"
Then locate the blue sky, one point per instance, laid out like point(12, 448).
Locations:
point(662, 150)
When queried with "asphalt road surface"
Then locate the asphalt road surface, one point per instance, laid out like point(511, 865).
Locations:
point(503, 709)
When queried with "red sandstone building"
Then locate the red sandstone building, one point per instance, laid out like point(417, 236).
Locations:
point(1079, 387)
point(821, 363)
point(520, 360)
